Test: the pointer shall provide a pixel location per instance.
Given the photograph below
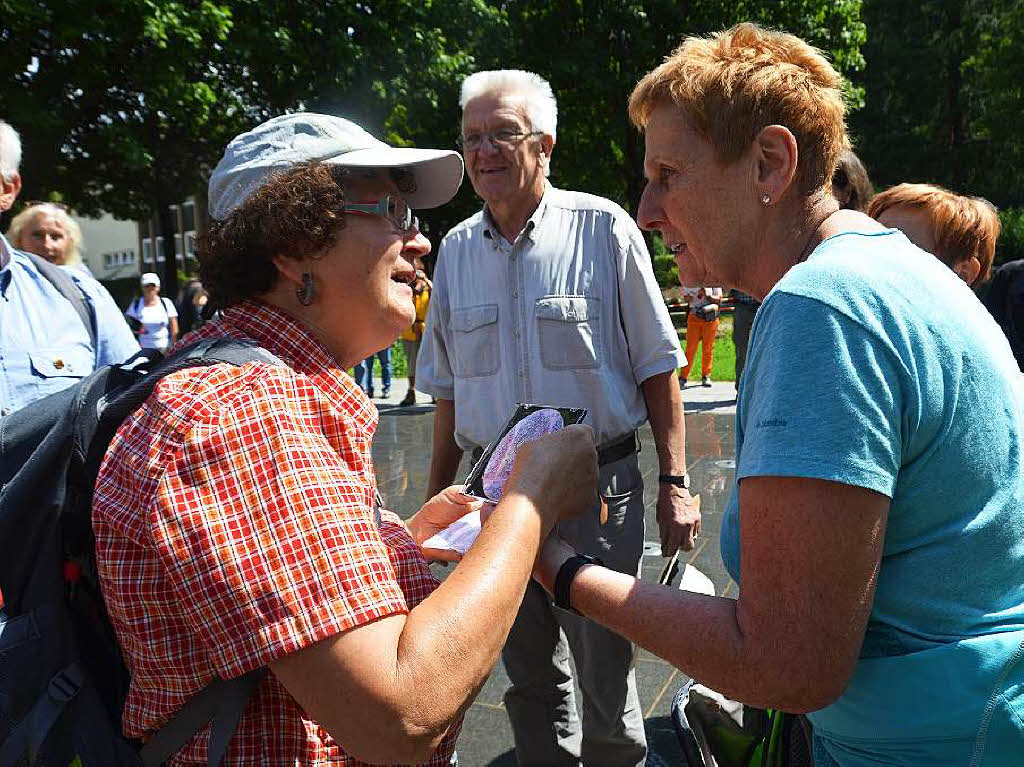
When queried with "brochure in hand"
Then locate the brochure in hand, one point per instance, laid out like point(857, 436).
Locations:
point(488, 476)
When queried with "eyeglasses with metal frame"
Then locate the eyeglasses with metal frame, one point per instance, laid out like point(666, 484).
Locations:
point(506, 139)
point(394, 208)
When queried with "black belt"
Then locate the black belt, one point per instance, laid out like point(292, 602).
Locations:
point(607, 453)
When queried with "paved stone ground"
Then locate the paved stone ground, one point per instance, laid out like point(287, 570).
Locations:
point(402, 456)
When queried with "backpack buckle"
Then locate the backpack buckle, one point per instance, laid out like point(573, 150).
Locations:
point(65, 684)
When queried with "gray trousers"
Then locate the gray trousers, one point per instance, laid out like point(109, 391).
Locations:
point(541, 702)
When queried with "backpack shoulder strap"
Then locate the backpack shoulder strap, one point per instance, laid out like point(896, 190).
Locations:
point(208, 351)
point(221, 701)
point(66, 286)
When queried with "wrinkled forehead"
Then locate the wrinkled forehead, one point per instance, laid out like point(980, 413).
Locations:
point(494, 110)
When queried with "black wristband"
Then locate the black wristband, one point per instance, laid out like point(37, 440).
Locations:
point(679, 480)
point(566, 574)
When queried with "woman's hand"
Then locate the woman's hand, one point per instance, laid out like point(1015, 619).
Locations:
point(443, 509)
point(558, 474)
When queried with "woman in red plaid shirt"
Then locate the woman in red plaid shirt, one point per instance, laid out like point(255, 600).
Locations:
point(234, 514)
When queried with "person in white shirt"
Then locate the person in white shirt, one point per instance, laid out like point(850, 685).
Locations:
point(156, 319)
point(701, 327)
point(548, 296)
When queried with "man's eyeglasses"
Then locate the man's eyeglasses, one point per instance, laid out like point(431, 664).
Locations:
point(394, 209)
point(505, 139)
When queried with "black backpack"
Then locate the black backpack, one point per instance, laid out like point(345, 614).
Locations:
point(62, 679)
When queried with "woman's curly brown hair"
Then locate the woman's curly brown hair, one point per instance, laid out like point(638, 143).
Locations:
point(297, 213)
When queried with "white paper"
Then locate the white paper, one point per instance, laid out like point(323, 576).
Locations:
point(458, 536)
point(694, 580)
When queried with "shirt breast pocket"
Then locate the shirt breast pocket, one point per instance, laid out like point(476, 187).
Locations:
point(54, 369)
point(475, 341)
point(61, 363)
point(569, 328)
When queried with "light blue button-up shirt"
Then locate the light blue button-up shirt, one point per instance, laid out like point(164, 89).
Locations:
point(568, 315)
point(44, 346)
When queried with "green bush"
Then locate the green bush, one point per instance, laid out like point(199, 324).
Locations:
point(665, 270)
point(399, 365)
point(1011, 241)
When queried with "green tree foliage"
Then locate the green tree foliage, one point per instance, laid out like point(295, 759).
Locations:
point(594, 51)
point(126, 105)
point(944, 87)
point(117, 102)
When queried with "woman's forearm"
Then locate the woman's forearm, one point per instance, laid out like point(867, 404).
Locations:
point(694, 632)
point(389, 690)
point(705, 637)
point(451, 640)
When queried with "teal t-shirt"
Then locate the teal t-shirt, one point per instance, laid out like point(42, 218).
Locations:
point(874, 365)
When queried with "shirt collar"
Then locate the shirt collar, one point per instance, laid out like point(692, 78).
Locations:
point(492, 232)
point(283, 335)
point(5, 252)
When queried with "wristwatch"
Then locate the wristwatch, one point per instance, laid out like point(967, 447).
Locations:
point(566, 574)
point(679, 480)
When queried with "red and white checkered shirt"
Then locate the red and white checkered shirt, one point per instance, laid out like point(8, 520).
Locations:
point(234, 521)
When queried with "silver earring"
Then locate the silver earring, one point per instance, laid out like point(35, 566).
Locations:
point(766, 199)
point(305, 293)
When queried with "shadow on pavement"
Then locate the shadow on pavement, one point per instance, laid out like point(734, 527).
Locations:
point(385, 409)
point(662, 746)
point(698, 406)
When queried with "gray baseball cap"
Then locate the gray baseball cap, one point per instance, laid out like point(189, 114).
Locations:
point(253, 157)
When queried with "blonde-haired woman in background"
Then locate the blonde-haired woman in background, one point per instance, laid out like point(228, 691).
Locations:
point(47, 230)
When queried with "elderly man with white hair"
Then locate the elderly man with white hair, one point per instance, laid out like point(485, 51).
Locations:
point(57, 324)
point(548, 296)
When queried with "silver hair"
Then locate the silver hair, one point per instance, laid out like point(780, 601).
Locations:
point(72, 230)
point(10, 151)
point(541, 107)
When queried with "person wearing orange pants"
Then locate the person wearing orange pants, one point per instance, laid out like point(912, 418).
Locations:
point(701, 327)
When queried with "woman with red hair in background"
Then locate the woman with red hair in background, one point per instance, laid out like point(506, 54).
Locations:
point(960, 231)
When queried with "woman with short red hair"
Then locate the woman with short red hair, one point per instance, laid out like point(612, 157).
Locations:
point(960, 231)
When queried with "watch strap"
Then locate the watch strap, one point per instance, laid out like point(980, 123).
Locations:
point(679, 480)
point(566, 574)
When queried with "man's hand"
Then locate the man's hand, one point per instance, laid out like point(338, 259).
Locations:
point(436, 514)
point(678, 518)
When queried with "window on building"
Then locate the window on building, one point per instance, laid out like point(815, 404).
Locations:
point(188, 216)
point(118, 259)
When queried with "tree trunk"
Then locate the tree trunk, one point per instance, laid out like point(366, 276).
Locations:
point(168, 229)
point(954, 81)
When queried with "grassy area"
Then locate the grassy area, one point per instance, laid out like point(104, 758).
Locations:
point(723, 367)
